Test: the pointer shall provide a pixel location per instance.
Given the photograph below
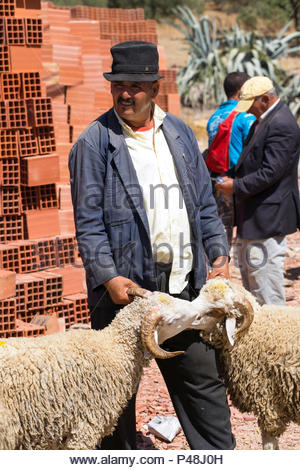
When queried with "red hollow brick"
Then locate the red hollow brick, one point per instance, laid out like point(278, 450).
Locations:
point(7, 314)
point(66, 221)
point(65, 309)
point(5, 63)
point(40, 170)
point(28, 258)
point(73, 279)
point(40, 112)
point(41, 224)
point(12, 333)
point(25, 59)
point(32, 4)
point(30, 295)
point(29, 330)
point(80, 307)
point(3, 116)
point(9, 257)
point(15, 31)
point(9, 147)
point(53, 287)
point(10, 200)
point(7, 7)
point(28, 143)
point(46, 139)
point(2, 230)
point(47, 252)
point(48, 196)
point(13, 228)
point(17, 113)
point(67, 249)
point(9, 172)
point(33, 31)
point(7, 284)
point(30, 198)
point(10, 86)
point(31, 85)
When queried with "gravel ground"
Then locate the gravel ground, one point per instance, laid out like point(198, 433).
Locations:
point(153, 399)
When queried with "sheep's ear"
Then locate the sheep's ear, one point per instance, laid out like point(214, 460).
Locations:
point(230, 325)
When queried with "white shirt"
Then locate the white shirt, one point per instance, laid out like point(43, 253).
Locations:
point(163, 200)
point(269, 110)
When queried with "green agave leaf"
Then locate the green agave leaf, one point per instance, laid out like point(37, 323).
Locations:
point(284, 29)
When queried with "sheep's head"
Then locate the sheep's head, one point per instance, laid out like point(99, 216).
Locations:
point(219, 303)
point(229, 311)
point(164, 318)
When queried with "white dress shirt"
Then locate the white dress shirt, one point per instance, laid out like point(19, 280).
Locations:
point(163, 200)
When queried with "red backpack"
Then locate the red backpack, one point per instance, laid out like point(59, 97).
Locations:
point(217, 159)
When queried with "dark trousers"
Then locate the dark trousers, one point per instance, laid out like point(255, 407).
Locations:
point(194, 384)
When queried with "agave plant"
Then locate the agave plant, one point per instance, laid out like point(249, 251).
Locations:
point(289, 91)
point(213, 54)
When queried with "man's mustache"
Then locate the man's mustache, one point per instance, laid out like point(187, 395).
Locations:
point(125, 101)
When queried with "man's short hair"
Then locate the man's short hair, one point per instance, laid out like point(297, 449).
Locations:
point(233, 83)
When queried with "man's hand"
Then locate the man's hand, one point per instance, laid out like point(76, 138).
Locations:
point(117, 289)
point(220, 267)
point(226, 187)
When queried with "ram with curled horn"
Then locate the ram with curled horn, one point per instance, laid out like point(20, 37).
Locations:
point(259, 351)
point(67, 390)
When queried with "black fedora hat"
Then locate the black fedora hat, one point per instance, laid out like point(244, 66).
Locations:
point(134, 61)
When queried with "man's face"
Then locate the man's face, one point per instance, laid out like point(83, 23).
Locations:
point(260, 105)
point(132, 100)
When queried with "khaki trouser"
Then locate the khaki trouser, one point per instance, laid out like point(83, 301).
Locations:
point(261, 263)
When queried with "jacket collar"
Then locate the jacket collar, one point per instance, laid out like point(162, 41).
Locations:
point(253, 138)
point(122, 160)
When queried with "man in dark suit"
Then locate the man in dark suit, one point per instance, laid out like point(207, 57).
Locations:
point(266, 190)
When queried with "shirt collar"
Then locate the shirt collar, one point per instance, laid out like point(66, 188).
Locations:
point(269, 110)
point(229, 102)
point(158, 117)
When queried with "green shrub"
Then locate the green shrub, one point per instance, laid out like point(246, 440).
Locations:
point(214, 53)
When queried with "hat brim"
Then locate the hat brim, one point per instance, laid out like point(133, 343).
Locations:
point(131, 77)
point(244, 105)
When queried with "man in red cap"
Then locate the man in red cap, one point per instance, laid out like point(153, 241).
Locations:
point(145, 215)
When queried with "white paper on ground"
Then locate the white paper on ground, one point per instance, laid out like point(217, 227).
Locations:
point(165, 427)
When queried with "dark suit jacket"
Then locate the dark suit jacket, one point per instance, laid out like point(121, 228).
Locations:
point(111, 222)
point(266, 178)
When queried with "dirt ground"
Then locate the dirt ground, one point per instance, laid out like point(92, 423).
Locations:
point(153, 399)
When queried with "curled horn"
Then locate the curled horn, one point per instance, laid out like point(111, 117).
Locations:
point(149, 325)
point(246, 309)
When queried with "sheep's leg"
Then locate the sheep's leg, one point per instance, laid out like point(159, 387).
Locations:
point(269, 442)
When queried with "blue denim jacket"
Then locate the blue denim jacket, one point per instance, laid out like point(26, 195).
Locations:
point(111, 223)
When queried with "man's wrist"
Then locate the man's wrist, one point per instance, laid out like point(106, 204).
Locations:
point(108, 282)
point(220, 261)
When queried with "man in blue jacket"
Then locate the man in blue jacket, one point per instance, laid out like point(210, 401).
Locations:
point(145, 215)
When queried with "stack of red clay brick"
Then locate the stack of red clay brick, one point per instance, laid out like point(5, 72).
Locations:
point(51, 88)
point(76, 52)
point(38, 254)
